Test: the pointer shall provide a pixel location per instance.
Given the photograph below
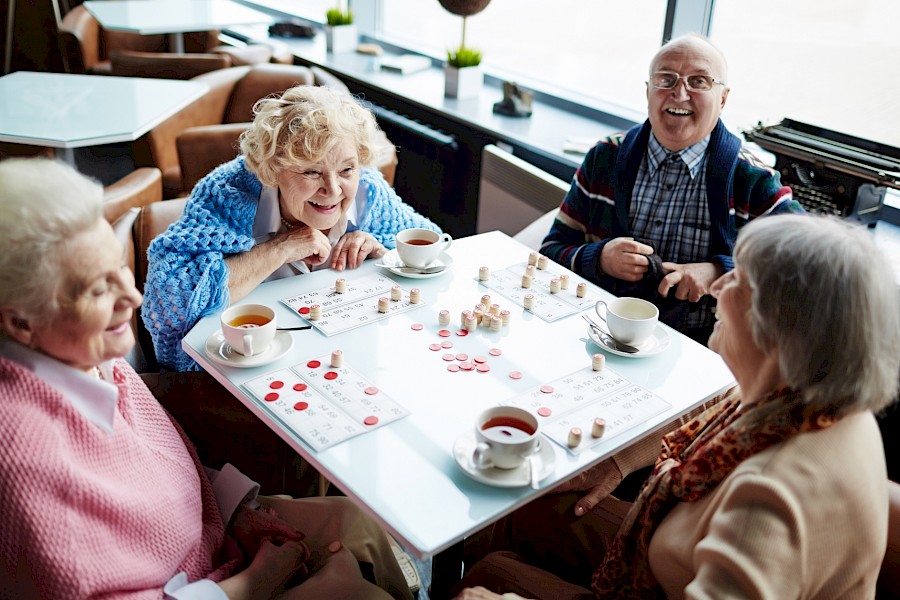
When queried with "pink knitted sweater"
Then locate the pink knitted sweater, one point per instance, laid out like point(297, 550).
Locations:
point(87, 514)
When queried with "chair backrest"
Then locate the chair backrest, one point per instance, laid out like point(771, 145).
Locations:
point(150, 221)
point(166, 65)
point(138, 188)
point(263, 80)
point(123, 228)
point(85, 46)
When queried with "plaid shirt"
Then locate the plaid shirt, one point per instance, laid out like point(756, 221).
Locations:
point(621, 189)
point(664, 207)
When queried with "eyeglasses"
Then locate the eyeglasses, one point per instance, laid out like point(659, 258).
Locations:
point(667, 80)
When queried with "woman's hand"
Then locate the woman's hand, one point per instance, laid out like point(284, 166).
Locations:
point(599, 481)
point(250, 526)
point(354, 248)
point(303, 243)
point(273, 566)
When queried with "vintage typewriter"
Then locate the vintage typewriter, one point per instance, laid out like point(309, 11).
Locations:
point(831, 172)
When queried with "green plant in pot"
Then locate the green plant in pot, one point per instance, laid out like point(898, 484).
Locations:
point(338, 16)
point(340, 32)
point(462, 78)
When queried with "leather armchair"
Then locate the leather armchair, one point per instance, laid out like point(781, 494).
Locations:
point(227, 105)
point(87, 48)
point(139, 188)
point(168, 65)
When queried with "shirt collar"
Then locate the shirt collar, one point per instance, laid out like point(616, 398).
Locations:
point(692, 156)
point(94, 398)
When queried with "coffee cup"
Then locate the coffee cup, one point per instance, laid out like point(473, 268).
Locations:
point(419, 247)
point(505, 436)
point(249, 328)
point(630, 320)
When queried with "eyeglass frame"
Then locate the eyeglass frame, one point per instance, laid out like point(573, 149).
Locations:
point(687, 85)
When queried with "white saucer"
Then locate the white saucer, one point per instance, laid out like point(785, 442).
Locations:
point(464, 448)
point(652, 346)
point(391, 261)
point(218, 350)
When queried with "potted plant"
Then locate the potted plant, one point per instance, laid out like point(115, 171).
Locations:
point(340, 32)
point(462, 72)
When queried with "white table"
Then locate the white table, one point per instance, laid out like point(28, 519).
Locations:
point(174, 17)
point(404, 474)
point(59, 110)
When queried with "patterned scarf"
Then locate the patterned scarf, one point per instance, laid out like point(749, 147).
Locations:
point(694, 459)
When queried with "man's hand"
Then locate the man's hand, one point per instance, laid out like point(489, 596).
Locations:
point(354, 248)
point(599, 481)
point(479, 593)
point(693, 280)
point(625, 259)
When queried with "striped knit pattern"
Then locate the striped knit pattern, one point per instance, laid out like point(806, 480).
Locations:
point(89, 514)
point(187, 277)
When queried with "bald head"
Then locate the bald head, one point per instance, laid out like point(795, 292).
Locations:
point(682, 116)
point(696, 44)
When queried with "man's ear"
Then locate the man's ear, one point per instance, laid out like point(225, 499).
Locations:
point(724, 97)
point(15, 325)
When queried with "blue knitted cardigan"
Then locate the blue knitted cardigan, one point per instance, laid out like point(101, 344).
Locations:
point(187, 277)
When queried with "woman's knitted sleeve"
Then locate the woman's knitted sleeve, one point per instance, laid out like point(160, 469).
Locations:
point(386, 214)
point(187, 277)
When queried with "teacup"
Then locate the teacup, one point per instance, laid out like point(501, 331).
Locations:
point(419, 247)
point(249, 328)
point(506, 436)
point(630, 320)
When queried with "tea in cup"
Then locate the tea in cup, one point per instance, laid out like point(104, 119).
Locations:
point(505, 436)
point(419, 247)
point(249, 328)
point(630, 320)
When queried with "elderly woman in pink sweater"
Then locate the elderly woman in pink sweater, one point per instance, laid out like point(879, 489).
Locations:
point(102, 494)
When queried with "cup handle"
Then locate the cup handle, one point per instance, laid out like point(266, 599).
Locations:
point(481, 457)
point(446, 239)
point(597, 310)
point(248, 345)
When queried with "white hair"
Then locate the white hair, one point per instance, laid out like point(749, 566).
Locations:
point(825, 299)
point(43, 204)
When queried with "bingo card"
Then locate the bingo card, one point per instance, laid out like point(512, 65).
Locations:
point(575, 400)
point(548, 306)
point(322, 404)
point(357, 306)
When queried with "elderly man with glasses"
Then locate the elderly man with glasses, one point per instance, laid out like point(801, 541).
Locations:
point(654, 212)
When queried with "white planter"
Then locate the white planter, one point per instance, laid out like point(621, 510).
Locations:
point(342, 38)
point(462, 83)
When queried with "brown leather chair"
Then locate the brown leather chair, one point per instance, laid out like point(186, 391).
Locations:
point(227, 104)
point(139, 188)
point(88, 48)
point(222, 429)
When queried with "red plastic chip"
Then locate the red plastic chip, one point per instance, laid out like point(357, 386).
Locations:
point(276, 385)
point(271, 397)
point(371, 420)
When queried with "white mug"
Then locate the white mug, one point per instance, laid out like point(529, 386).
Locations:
point(419, 247)
point(249, 328)
point(630, 320)
point(506, 436)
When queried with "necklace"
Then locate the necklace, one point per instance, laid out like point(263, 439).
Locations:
point(288, 225)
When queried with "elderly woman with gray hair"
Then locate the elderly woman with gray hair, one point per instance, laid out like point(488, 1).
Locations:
point(780, 489)
point(102, 494)
point(301, 196)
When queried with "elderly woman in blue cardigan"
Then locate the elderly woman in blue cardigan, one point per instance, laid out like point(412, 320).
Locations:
point(300, 197)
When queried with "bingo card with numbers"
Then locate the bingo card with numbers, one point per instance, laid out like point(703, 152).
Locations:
point(353, 308)
point(322, 404)
point(575, 400)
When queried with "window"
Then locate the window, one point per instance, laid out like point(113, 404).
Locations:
point(598, 50)
point(829, 63)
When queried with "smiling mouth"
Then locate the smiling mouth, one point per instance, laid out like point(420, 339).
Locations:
point(324, 208)
point(120, 328)
point(679, 112)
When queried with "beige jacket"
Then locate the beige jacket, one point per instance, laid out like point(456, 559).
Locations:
point(806, 518)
